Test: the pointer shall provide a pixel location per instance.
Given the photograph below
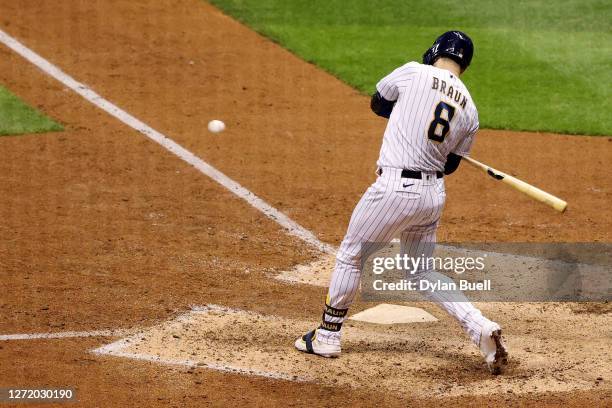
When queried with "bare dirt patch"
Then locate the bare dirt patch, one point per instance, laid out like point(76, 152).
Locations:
point(394, 358)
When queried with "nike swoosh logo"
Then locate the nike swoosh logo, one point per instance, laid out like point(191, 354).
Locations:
point(407, 185)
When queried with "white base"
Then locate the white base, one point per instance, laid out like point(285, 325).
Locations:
point(393, 314)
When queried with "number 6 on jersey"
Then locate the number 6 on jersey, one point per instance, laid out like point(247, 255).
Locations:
point(440, 126)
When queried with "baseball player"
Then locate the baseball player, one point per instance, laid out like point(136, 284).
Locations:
point(432, 123)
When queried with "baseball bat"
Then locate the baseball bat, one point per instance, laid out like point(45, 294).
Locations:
point(533, 192)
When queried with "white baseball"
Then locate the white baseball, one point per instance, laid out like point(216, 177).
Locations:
point(216, 126)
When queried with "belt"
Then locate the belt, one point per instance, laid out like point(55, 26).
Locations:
point(413, 174)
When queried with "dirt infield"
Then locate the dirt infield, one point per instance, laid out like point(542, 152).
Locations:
point(104, 229)
point(418, 357)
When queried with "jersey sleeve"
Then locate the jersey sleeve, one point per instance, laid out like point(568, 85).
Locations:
point(465, 145)
point(388, 87)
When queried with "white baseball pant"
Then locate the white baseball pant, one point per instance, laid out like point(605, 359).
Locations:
point(392, 206)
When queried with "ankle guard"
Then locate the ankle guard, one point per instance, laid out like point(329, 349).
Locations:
point(332, 312)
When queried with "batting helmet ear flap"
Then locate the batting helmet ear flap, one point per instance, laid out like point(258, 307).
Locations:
point(427, 57)
point(431, 55)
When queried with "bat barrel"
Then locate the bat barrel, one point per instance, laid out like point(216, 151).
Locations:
point(526, 188)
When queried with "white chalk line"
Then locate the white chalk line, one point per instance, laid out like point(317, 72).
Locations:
point(64, 335)
point(223, 309)
point(197, 364)
point(116, 349)
point(292, 227)
point(110, 332)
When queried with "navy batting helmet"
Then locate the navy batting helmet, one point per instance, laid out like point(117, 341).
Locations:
point(454, 45)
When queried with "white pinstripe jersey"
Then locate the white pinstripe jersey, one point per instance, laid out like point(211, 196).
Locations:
point(433, 116)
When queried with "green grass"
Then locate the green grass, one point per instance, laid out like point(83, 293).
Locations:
point(538, 65)
point(16, 117)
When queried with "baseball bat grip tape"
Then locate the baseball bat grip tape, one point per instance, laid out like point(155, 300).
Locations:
point(526, 188)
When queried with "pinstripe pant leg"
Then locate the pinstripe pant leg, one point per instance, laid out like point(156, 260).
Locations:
point(420, 241)
point(377, 218)
point(369, 220)
point(346, 276)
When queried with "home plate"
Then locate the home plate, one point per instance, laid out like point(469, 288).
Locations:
point(393, 314)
